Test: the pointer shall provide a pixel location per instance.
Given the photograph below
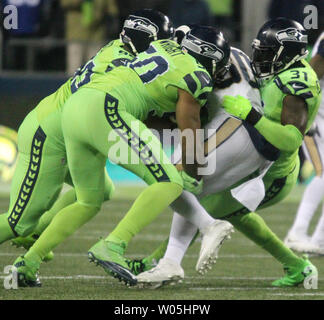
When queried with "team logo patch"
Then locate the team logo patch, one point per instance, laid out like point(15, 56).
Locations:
point(291, 34)
point(141, 24)
point(204, 48)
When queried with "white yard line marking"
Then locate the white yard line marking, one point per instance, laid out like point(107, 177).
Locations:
point(298, 294)
point(136, 255)
point(95, 277)
point(231, 288)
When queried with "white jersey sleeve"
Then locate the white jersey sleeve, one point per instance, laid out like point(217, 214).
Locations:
point(239, 81)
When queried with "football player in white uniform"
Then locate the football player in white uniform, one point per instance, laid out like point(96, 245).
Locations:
point(239, 151)
point(227, 196)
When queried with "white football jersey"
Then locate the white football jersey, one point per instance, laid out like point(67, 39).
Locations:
point(229, 149)
point(239, 81)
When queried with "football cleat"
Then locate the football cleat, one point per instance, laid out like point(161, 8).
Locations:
point(26, 272)
point(301, 243)
point(109, 255)
point(166, 272)
point(213, 238)
point(28, 242)
point(297, 275)
point(139, 266)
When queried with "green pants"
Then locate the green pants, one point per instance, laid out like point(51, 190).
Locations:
point(40, 173)
point(96, 125)
point(223, 205)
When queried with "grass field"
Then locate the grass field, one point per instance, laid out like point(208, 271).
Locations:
point(243, 271)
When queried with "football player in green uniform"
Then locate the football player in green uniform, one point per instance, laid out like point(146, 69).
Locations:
point(131, 42)
point(27, 215)
point(110, 108)
point(291, 94)
point(42, 166)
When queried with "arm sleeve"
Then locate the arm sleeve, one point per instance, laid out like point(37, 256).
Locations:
point(198, 84)
point(286, 138)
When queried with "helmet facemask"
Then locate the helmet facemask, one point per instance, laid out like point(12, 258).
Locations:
point(140, 30)
point(265, 60)
point(277, 47)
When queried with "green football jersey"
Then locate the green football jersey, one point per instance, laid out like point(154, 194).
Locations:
point(151, 81)
point(109, 56)
point(300, 81)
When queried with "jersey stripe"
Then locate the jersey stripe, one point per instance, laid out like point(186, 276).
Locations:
point(133, 140)
point(30, 179)
point(204, 79)
point(223, 133)
point(191, 83)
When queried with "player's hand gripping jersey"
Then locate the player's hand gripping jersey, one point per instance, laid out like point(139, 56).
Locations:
point(299, 81)
point(150, 82)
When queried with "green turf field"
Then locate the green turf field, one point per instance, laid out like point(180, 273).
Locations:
point(243, 271)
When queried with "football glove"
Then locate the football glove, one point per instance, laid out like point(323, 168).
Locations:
point(191, 184)
point(237, 106)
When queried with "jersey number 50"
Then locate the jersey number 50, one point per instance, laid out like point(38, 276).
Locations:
point(149, 68)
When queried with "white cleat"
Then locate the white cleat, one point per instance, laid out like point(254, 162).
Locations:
point(297, 242)
point(303, 245)
point(213, 238)
point(166, 272)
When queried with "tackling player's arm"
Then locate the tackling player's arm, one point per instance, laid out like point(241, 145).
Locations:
point(188, 117)
point(287, 136)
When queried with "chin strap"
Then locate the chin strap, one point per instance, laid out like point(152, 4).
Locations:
point(298, 57)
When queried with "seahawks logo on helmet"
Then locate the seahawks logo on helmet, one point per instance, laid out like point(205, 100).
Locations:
point(141, 24)
point(204, 48)
point(291, 34)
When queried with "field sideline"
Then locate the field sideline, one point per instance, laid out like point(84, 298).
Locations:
point(243, 271)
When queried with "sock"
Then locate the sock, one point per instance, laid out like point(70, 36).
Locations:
point(254, 227)
point(5, 231)
point(66, 199)
point(311, 199)
point(181, 235)
point(159, 252)
point(148, 205)
point(64, 224)
point(189, 207)
point(318, 235)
